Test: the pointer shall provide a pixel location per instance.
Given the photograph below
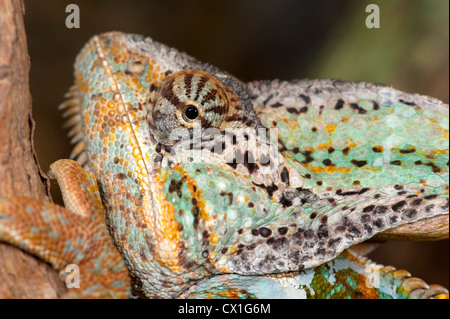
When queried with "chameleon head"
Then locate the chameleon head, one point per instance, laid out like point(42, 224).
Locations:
point(192, 99)
point(176, 221)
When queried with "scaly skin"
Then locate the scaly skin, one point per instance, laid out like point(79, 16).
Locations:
point(351, 161)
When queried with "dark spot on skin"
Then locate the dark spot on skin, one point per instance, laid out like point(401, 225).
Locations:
point(194, 201)
point(277, 104)
point(230, 196)
point(368, 209)
point(398, 187)
point(283, 147)
point(285, 175)
point(380, 210)
point(417, 202)
point(334, 242)
point(285, 202)
point(339, 104)
point(254, 232)
point(297, 239)
point(368, 228)
point(308, 157)
point(295, 150)
point(322, 232)
point(282, 231)
point(349, 193)
point(407, 103)
point(376, 106)
point(418, 163)
point(314, 129)
point(411, 213)
point(313, 215)
point(399, 206)
point(280, 243)
point(376, 196)
point(393, 219)
point(408, 151)
point(327, 162)
point(356, 183)
point(224, 250)
point(355, 231)
point(270, 241)
point(293, 110)
point(365, 218)
point(378, 223)
point(304, 109)
point(377, 149)
point(308, 234)
point(331, 150)
point(305, 98)
point(434, 168)
point(358, 108)
point(358, 163)
point(428, 197)
point(240, 230)
point(319, 183)
point(346, 150)
point(308, 176)
point(321, 109)
point(363, 190)
point(324, 219)
point(429, 209)
point(398, 163)
point(267, 100)
point(264, 232)
point(269, 189)
point(250, 205)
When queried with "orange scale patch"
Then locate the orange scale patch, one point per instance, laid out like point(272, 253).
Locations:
point(327, 169)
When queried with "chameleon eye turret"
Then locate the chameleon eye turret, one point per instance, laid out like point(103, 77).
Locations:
point(194, 98)
point(190, 113)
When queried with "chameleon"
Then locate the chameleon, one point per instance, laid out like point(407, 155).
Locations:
point(185, 182)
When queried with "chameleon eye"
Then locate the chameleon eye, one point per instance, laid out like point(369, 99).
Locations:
point(190, 113)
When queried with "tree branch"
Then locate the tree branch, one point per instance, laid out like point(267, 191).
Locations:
point(21, 275)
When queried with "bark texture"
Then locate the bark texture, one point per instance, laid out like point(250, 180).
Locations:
point(21, 275)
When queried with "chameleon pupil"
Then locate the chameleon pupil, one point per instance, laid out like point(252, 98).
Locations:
point(191, 112)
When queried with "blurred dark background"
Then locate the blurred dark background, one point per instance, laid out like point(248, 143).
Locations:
point(258, 40)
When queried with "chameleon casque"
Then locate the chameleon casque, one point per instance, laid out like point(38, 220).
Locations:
point(215, 188)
